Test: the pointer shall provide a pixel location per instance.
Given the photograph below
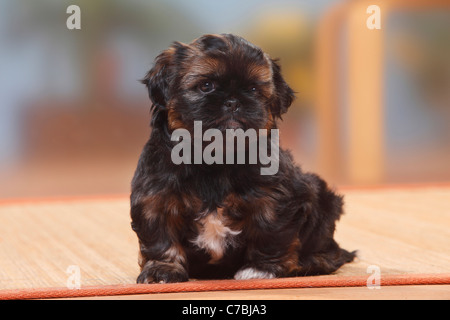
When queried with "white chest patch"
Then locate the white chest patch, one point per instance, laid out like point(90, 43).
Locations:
point(214, 236)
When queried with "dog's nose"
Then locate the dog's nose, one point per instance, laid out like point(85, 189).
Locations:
point(232, 104)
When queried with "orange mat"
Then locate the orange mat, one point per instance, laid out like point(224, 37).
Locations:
point(403, 230)
point(223, 285)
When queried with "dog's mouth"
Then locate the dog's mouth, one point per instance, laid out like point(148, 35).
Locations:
point(233, 124)
point(228, 122)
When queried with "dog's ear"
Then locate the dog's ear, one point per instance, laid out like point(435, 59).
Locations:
point(160, 78)
point(283, 95)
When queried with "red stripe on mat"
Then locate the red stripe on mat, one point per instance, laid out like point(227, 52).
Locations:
point(223, 285)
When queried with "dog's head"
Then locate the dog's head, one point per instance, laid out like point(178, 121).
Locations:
point(222, 80)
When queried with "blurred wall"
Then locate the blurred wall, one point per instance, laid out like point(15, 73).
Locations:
point(74, 118)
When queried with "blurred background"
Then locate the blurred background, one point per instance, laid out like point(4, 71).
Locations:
point(372, 107)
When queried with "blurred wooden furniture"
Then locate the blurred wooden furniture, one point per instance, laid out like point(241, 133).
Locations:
point(350, 66)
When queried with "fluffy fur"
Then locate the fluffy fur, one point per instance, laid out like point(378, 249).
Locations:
point(224, 221)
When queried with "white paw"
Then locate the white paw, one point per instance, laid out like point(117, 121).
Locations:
point(251, 273)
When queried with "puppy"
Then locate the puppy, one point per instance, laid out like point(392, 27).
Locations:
point(198, 220)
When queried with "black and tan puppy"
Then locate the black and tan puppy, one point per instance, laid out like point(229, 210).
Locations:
point(226, 220)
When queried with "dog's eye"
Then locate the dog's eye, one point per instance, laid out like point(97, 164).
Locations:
point(253, 89)
point(207, 86)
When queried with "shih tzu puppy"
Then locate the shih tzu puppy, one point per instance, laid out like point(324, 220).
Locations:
point(223, 219)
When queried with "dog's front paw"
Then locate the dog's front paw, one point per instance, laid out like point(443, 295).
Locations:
point(162, 272)
point(253, 273)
